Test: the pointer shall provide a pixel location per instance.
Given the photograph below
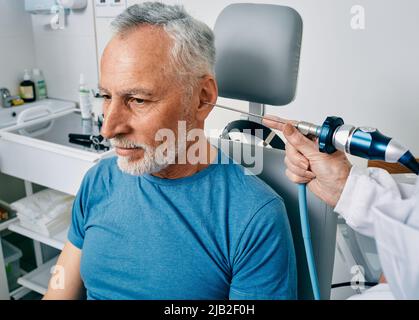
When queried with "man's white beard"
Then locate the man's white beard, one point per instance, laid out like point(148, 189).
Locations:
point(154, 159)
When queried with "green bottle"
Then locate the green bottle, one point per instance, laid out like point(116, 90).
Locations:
point(40, 85)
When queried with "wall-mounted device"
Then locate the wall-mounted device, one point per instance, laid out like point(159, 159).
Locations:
point(39, 6)
point(58, 20)
point(73, 4)
point(44, 6)
point(58, 8)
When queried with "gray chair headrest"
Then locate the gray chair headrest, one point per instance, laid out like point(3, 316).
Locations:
point(258, 52)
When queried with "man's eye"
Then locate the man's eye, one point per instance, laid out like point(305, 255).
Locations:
point(136, 101)
point(105, 96)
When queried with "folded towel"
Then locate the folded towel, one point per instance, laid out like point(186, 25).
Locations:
point(49, 229)
point(47, 211)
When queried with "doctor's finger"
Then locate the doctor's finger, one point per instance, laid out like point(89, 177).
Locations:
point(298, 171)
point(275, 122)
point(304, 145)
point(295, 178)
point(295, 157)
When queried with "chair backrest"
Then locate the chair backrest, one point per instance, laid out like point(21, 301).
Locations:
point(258, 50)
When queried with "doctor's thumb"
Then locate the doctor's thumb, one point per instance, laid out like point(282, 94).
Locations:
point(304, 145)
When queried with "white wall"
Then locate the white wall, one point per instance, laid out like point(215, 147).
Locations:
point(16, 44)
point(27, 41)
point(64, 54)
point(369, 77)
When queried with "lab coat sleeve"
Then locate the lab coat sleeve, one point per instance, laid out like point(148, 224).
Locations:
point(368, 188)
point(397, 246)
point(372, 203)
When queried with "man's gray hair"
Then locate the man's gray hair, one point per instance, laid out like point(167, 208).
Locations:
point(193, 51)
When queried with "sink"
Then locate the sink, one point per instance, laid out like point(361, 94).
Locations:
point(38, 149)
point(8, 116)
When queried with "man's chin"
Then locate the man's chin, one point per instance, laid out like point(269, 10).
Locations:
point(139, 167)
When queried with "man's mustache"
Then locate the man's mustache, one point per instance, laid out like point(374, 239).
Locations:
point(121, 142)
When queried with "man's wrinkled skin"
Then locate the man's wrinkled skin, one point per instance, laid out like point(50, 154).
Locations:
point(143, 94)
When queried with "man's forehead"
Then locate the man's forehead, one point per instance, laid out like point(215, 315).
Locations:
point(136, 60)
point(144, 40)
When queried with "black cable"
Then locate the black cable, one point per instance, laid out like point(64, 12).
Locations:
point(347, 284)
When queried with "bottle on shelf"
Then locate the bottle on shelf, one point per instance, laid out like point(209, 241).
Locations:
point(85, 101)
point(27, 88)
point(40, 84)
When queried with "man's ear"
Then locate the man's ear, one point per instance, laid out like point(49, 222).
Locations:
point(208, 93)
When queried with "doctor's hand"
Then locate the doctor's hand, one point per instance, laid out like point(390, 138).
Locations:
point(325, 174)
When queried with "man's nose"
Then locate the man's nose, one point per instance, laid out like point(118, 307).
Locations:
point(115, 121)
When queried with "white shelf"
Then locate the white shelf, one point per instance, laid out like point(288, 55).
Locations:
point(19, 293)
point(4, 225)
point(37, 280)
point(56, 241)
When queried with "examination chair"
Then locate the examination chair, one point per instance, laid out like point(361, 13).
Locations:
point(258, 48)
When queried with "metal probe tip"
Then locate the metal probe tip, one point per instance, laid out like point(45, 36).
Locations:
point(293, 123)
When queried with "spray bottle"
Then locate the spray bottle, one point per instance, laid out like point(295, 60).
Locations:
point(84, 99)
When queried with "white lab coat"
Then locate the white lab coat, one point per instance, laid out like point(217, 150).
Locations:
point(374, 204)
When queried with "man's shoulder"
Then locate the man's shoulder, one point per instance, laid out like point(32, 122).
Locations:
point(249, 186)
point(246, 180)
point(103, 169)
point(104, 164)
point(97, 182)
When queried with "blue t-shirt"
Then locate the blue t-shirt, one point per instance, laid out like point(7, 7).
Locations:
point(218, 234)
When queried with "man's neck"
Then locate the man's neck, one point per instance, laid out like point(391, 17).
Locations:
point(176, 171)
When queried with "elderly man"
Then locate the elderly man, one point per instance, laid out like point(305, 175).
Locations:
point(147, 228)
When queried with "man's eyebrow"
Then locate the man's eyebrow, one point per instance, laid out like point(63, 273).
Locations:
point(102, 89)
point(130, 91)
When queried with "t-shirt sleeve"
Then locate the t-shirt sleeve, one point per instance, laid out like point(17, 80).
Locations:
point(264, 264)
point(77, 231)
